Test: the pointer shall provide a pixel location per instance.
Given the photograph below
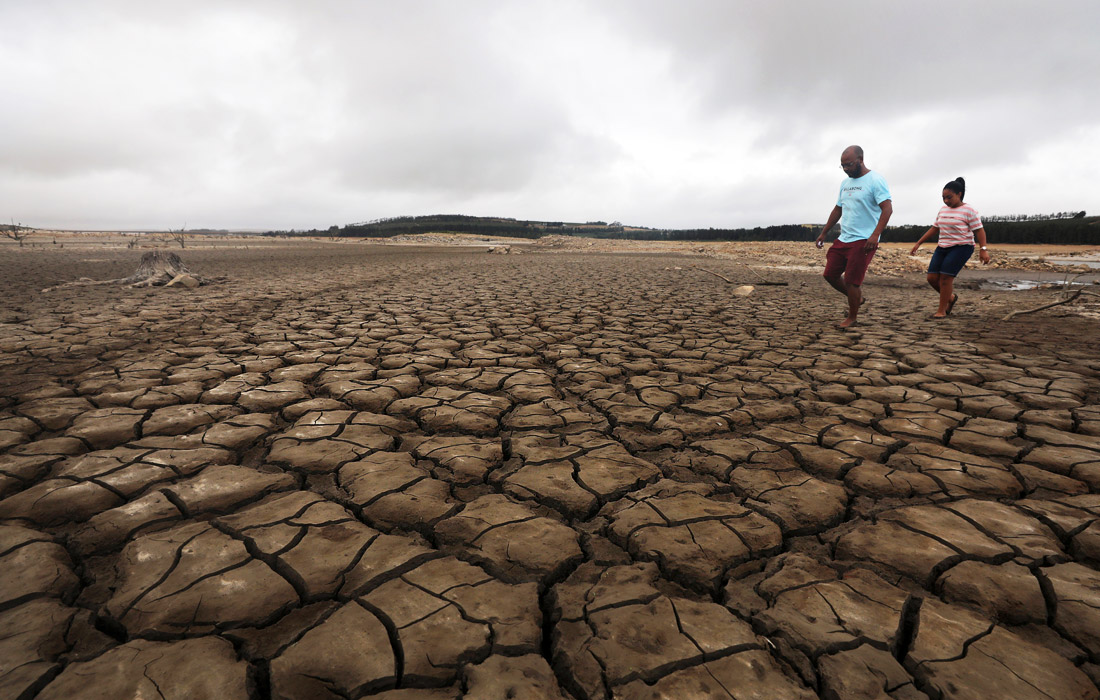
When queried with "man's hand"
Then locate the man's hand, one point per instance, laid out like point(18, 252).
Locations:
point(871, 243)
point(820, 242)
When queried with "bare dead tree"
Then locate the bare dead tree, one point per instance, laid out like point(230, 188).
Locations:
point(179, 236)
point(16, 233)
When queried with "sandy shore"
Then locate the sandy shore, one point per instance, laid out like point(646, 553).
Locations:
point(354, 469)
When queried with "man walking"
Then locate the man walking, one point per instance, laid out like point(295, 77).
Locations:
point(863, 209)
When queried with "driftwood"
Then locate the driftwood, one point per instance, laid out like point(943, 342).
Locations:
point(1067, 300)
point(156, 269)
point(1065, 290)
point(724, 279)
point(762, 281)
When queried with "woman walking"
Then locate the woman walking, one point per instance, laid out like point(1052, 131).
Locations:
point(958, 225)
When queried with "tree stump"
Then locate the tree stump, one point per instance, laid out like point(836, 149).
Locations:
point(157, 268)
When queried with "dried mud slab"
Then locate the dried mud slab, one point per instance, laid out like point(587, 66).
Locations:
point(81, 487)
point(393, 491)
point(511, 540)
point(347, 654)
point(955, 652)
point(573, 475)
point(361, 471)
point(34, 566)
point(921, 542)
point(188, 668)
point(36, 636)
point(694, 538)
point(527, 676)
point(818, 611)
point(322, 441)
point(617, 634)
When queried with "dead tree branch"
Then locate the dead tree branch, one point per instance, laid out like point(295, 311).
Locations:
point(1067, 300)
point(762, 281)
point(712, 272)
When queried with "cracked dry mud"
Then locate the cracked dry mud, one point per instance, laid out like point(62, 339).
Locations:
point(365, 472)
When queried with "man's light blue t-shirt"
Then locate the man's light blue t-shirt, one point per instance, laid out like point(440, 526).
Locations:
point(859, 199)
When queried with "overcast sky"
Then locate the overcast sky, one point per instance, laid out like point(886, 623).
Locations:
point(665, 113)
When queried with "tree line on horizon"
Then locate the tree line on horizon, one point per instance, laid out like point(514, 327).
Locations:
point(1036, 217)
point(1074, 229)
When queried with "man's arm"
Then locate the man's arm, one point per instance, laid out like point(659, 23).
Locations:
point(834, 216)
point(887, 207)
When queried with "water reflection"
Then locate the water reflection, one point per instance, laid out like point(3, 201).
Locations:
point(1092, 262)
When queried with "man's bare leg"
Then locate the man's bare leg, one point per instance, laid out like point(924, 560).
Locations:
point(855, 298)
point(837, 283)
point(854, 292)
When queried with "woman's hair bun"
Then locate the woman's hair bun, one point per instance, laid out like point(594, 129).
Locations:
point(958, 186)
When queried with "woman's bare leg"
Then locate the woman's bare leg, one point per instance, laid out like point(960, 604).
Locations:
point(947, 295)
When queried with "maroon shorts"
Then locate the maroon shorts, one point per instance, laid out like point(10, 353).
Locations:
point(849, 258)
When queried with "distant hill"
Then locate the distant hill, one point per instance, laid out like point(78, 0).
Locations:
point(480, 225)
point(1080, 230)
point(519, 228)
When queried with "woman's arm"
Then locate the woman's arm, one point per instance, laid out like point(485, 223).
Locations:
point(927, 234)
point(983, 254)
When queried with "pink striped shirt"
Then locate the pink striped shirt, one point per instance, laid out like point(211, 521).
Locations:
point(957, 226)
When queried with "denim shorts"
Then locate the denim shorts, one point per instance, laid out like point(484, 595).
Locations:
point(950, 260)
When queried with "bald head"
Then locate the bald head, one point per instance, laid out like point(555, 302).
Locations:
point(851, 161)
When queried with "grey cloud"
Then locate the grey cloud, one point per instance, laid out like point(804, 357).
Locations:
point(466, 161)
point(998, 80)
point(880, 58)
point(277, 113)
